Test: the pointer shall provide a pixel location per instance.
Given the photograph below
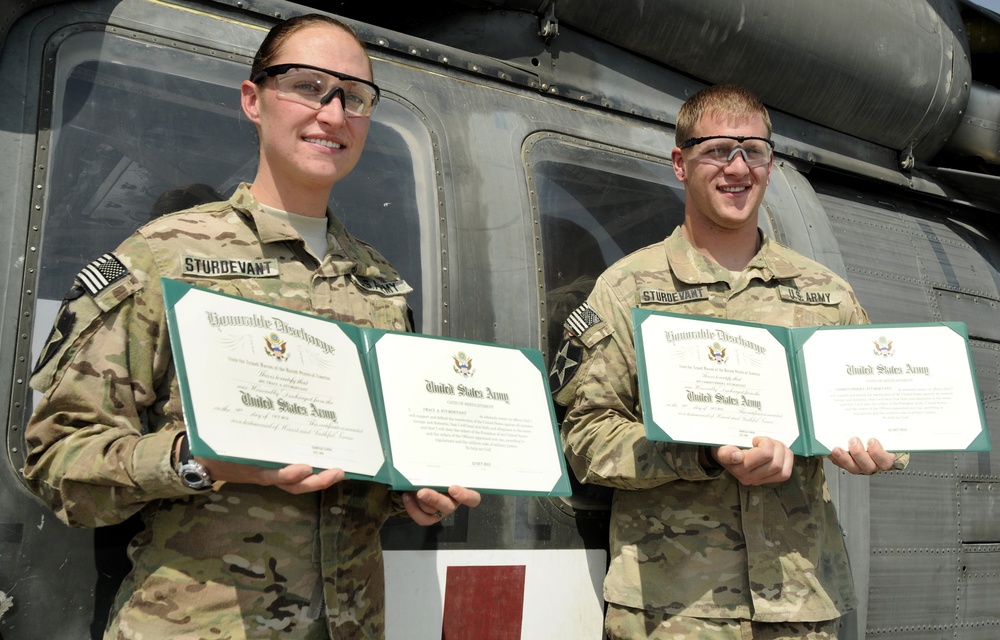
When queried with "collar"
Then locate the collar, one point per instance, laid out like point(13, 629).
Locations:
point(365, 261)
point(692, 267)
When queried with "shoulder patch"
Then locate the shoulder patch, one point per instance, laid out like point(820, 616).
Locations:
point(102, 273)
point(582, 318)
point(61, 329)
point(564, 365)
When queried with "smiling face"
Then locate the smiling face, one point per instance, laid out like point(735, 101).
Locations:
point(726, 198)
point(305, 151)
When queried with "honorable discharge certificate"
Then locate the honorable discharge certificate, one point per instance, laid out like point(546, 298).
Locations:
point(265, 385)
point(716, 384)
point(710, 381)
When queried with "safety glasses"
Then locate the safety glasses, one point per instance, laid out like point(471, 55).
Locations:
point(316, 87)
point(720, 150)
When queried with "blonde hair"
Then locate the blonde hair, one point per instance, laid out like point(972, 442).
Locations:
point(728, 100)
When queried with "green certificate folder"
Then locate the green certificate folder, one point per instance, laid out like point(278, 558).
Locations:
point(268, 386)
point(716, 382)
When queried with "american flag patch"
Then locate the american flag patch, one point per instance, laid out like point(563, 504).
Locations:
point(101, 273)
point(583, 318)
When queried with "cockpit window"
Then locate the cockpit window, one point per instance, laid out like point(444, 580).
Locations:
point(595, 205)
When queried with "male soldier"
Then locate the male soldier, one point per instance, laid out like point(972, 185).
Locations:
point(710, 542)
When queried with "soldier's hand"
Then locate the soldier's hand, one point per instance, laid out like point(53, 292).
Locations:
point(767, 461)
point(861, 461)
point(428, 506)
point(295, 478)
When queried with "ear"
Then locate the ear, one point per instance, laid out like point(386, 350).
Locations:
point(677, 157)
point(249, 101)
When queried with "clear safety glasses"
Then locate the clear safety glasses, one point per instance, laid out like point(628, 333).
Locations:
point(720, 150)
point(316, 87)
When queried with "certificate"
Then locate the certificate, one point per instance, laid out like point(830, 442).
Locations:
point(270, 386)
point(716, 382)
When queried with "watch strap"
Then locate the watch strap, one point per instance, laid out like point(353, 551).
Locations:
point(185, 452)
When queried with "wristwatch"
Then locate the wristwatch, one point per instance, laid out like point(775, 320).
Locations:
point(192, 473)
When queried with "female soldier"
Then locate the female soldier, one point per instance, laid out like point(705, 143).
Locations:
point(230, 550)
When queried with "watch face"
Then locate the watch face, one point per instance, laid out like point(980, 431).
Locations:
point(194, 475)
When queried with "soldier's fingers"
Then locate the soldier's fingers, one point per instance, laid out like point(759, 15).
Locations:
point(468, 497)
point(314, 481)
point(768, 456)
point(221, 470)
point(418, 510)
point(883, 459)
point(862, 459)
point(728, 454)
point(844, 460)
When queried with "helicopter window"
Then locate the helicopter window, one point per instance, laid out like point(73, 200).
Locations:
point(595, 205)
point(139, 129)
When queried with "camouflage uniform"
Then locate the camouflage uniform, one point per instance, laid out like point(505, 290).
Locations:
point(685, 541)
point(238, 561)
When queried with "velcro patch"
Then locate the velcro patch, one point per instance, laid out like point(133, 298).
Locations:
point(657, 296)
point(564, 365)
point(102, 273)
point(382, 287)
point(808, 297)
point(222, 267)
point(61, 329)
point(582, 318)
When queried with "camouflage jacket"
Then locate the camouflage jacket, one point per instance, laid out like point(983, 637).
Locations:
point(684, 541)
point(238, 561)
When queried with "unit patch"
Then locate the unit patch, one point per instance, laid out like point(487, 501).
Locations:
point(216, 267)
point(565, 364)
point(61, 328)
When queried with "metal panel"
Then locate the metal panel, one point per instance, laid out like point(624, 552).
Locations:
point(978, 312)
point(986, 630)
point(917, 594)
point(979, 504)
point(980, 585)
point(898, 528)
point(880, 261)
point(804, 225)
point(978, 134)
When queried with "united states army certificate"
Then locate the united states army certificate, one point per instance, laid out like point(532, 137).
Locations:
point(264, 384)
point(269, 386)
point(715, 382)
point(712, 383)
